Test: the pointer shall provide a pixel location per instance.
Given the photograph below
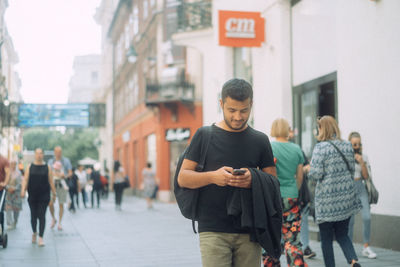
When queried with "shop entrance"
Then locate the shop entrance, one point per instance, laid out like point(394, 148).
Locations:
point(312, 99)
point(176, 149)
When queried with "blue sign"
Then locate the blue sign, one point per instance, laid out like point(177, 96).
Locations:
point(46, 115)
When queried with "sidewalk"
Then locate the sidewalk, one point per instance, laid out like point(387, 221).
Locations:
point(134, 236)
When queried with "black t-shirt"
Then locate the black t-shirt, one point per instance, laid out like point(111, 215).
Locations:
point(246, 149)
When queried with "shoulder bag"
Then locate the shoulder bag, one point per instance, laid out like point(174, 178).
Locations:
point(373, 194)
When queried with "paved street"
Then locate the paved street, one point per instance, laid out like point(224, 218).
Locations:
point(134, 236)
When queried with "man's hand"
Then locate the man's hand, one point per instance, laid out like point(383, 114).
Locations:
point(222, 176)
point(242, 181)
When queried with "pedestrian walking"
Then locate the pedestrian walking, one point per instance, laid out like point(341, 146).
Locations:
point(96, 184)
point(13, 197)
point(149, 184)
point(38, 181)
point(118, 183)
point(305, 210)
point(105, 183)
point(336, 200)
point(305, 213)
point(4, 179)
point(73, 188)
point(224, 241)
point(289, 166)
point(60, 184)
point(362, 173)
point(82, 177)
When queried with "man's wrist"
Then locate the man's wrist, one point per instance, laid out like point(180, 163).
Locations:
point(210, 177)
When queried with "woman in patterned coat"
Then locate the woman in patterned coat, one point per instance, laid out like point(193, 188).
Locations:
point(13, 199)
point(335, 194)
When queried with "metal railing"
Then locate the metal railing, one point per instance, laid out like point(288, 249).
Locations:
point(194, 16)
point(171, 92)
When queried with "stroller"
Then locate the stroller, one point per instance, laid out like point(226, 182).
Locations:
point(3, 234)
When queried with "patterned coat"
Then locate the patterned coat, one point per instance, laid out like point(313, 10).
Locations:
point(14, 200)
point(335, 193)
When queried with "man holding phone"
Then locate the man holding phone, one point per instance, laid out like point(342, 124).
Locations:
point(234, 147)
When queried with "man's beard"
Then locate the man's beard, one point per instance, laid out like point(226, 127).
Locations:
point(242, 126)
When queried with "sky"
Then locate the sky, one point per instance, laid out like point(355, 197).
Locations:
point(47, 35)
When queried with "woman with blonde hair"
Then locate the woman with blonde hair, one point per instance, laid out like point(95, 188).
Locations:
point(362, 173)
point(332, 166)
point(289, 166)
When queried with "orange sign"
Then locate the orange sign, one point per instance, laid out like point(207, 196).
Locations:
point(241, 29)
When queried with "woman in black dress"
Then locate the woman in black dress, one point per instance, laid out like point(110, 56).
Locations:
point(38, 181)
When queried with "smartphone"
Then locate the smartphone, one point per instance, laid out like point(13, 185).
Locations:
point(238, 172)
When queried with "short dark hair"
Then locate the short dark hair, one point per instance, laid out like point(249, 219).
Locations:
point(117, 164)
point(148, 164)
point(237, 89)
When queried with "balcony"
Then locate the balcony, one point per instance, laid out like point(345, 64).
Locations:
point(194, 16)
point(170, 93)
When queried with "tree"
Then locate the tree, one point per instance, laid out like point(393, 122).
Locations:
point(76, 143)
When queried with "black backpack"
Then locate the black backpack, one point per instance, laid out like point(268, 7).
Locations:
point(185, 197)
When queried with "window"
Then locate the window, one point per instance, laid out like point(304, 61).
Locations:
point(242, 63)
point(119, 52)
point(94, 77)
point(145, 9)
point(126, 99)
point(131, 100)
point(151, 150)
point(131, 26)
point(135, 19)
point(127, 38)
point(153, 6)
point(135, 90)
point(242, 68)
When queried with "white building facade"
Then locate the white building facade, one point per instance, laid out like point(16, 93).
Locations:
point(104, 16)
point(10, 84)
point(85, 81)
point(318, 57)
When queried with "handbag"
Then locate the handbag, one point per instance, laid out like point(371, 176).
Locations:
point(304, 193)
point(126, 182)
point(373, 194)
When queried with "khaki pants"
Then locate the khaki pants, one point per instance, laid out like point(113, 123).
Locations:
point(227, 250)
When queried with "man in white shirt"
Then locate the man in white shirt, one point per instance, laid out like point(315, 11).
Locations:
point(82, 177)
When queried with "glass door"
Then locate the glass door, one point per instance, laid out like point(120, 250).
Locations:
point(309, 113)
point(311, 99)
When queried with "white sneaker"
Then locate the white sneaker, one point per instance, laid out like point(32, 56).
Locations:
point(367, 252)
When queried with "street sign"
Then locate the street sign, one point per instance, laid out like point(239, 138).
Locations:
point(48, 115)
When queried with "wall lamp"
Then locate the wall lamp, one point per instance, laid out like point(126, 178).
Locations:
point(131, 54)
point(6, 102)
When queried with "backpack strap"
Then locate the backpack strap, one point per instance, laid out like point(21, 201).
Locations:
point(341, 154)
point(200, 166)
point(204, 147)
